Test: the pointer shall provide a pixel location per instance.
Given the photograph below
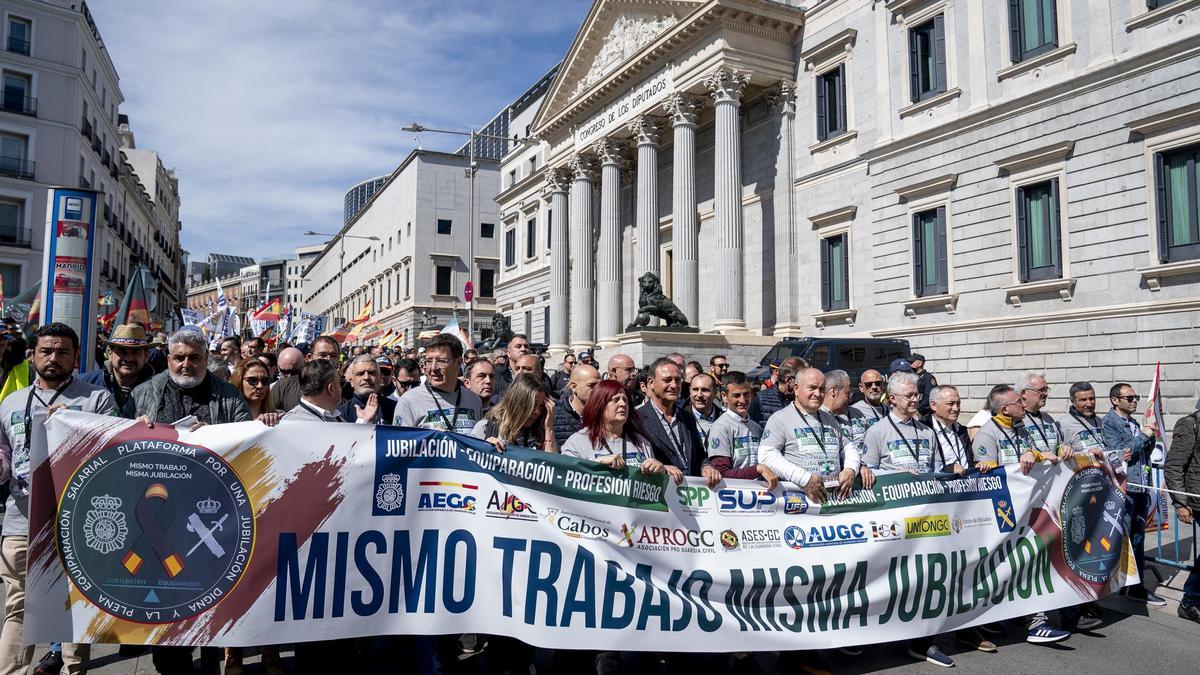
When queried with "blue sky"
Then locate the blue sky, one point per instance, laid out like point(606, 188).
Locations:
point(271, 110)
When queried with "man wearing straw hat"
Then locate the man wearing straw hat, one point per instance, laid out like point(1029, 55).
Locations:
point(126, 366)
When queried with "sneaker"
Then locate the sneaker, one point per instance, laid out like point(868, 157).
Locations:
point(1143, 594)
point(50, 664)
point(1044, 633)
point(1189, 612)
point(932, 655)
point(1155, 600)
point(975, 640)
point(1088, 621)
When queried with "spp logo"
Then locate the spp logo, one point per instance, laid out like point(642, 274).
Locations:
point(824, 535)
point(446, 496)
point(743, 502)
point(693, 498)
point(794, 503)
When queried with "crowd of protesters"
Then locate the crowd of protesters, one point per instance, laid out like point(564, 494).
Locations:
point(671, 416)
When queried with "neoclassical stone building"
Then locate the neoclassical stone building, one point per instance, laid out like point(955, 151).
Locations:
point(1009, 185)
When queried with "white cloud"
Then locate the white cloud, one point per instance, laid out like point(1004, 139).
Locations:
point(271, 110)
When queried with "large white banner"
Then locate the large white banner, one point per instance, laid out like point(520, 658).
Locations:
point(238, 534)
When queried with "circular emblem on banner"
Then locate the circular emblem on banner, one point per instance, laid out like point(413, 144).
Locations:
point(794, 536)
point(155, 531)
point(1093, 528)
point(729, 540)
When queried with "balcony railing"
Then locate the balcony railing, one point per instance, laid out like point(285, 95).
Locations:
point(17, 168)
point(86, 129)
point(17, 45)
point(16, 236)
point(16, 102)
point(96, 142)
point(85, 183)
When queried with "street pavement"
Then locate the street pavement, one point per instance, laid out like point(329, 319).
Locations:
point(1134, 638)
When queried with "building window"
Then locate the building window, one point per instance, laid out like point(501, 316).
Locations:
point(532, 164)
point(444, 226)
point(930, 274)
point(528, 322)
point(510, 248)
point(1178, 223)
point(17, 90)
point(927, 59)
point(512, 178)
point(442, 284)
point(12, 223)
point(831, 103)
point(531, 238)
point(1039, 252)
point(11, 278)
point(12, 156)
point(487, 282)
point(546, 325)
point(835, 273)
point(1032, 28)
point(1155, 4)
point(20, 35)
point(549, 227)
point(487, 230)
point(407, 284)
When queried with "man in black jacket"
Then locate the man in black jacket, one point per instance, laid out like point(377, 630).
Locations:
point(518, 346)
point(1183, 475)
point(779, 396)
point(951, 444)
point(366, 405)
point(568, 413)
point(673, 435)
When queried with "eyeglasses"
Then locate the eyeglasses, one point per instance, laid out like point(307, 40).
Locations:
point(1128, 399)
point(907, 397)
point(289, 371)
point(407, 384)
point(872, 384)
point(1042, 390)
point(438, 363)
point(255, 381)
point(720, 365)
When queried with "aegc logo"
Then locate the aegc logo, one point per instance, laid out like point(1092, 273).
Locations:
point(459, 500)
point(740, 502)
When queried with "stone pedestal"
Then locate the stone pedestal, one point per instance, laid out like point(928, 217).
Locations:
point(744, 350)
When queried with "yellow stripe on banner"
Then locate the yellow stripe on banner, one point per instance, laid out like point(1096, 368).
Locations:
point(1105, 543)
point(1087, 547)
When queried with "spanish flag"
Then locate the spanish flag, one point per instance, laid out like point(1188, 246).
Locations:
point(363, 316)
point(269, 312)
point(134, 307)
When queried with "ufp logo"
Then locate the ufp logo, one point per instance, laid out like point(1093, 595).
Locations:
point(794, 503)
point(746, 502)
point(693, 497)
point(927, 526)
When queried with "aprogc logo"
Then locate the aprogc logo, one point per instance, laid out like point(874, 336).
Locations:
point(463, 502)
point(739, 502)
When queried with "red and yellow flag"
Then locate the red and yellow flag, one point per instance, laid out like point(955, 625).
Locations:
point(134, 307)
point(269, 312)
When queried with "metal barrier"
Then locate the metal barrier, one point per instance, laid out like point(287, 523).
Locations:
point(1176, 545)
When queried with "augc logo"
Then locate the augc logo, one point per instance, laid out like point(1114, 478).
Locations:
point(824, 535)
point(794, 536)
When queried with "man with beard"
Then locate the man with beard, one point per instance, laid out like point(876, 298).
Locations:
point(518, 346)
point(366, 406)
point(126, 365)
point(186, 389)
point(622, 369)
point(55, 352)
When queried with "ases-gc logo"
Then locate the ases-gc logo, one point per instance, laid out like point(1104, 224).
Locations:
point(155, 531)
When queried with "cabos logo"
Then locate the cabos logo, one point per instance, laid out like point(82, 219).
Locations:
point(741, 502)
point(575, 526)
point(458, 499)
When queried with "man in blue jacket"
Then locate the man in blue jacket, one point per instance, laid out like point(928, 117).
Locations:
point(1132, 443)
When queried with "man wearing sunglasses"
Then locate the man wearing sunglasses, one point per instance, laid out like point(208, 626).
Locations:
point(1134, 441)
point(870, 409)
point(406, 376)
point(1044, 432)
point(285, 393)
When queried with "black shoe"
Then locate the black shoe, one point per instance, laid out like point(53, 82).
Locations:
point(50, 664)
point(1189, 612)
point(1143, 594)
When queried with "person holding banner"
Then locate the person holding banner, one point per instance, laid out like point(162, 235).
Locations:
point(55, 352)
point(1135, 442)
point(1044, 432)
point(901, 443)
point(126, 366)
point(733, 439)
point(805, 445)
point(672, 430)
point(442, 403)
point(610, 433)
point(1004, 440)
point(524, 417)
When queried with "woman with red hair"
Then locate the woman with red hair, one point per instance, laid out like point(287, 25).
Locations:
point(611, 432)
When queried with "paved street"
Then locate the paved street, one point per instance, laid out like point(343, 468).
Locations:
point(1132, 639)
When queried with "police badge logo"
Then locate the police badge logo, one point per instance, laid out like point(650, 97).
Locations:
point(104, 527)
point(390, 495)
point(168, 535)
point(1093, 524)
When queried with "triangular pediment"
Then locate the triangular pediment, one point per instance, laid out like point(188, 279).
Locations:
point(612, 33)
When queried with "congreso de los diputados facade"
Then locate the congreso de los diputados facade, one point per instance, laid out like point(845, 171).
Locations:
point(1007, 185)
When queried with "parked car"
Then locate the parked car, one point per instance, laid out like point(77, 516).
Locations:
point(853, 355)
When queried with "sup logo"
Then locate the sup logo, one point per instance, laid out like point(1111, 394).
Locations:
point(1092, 526)
point(742, 502)
point(155, 532)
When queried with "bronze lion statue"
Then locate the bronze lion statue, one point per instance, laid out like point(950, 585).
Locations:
point(653, 303)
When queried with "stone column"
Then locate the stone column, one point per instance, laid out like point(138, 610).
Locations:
point(726, 87)
point(646, 131)
point(557, 184)
point(685, 227)
point(782, 100)
point(608, 257)
point(583, 282)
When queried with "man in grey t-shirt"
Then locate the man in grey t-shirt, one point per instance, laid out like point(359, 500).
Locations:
point(900, 442)
point(442, 403)
point(55, 352)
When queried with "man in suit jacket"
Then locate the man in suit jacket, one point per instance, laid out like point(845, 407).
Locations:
point(952, 445)
point(673, 435)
